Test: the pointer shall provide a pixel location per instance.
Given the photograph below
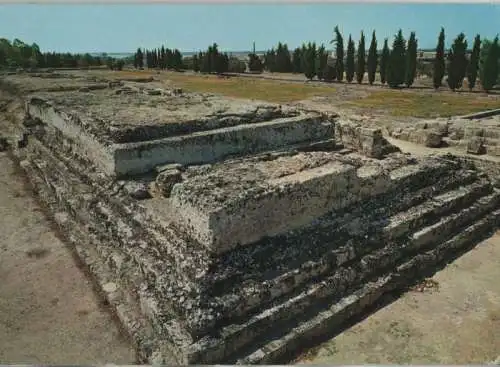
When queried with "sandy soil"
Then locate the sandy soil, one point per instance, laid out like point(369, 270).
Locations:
point(48, 311)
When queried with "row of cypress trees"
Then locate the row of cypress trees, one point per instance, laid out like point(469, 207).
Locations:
point(484, 62)
point(397, 65)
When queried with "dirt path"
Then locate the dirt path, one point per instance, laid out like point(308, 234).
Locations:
point(48, 311)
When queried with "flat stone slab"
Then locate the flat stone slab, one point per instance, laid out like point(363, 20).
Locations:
point(238, 203)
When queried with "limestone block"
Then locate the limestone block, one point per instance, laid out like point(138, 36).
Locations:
point(166, 180)
point(475, 145)
point(171, 166)
point(428, 138)
point(368, 141)
point(471, 131)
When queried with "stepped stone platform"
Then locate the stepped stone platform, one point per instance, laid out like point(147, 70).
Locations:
point(132, 134)
point(226, 231)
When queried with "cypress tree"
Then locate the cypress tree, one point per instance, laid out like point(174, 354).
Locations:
point(196, 63)
point(214, 58)
point(309, 64)
point(136, 62)
point(349, 62)
point(488, 72)
point(372, 59)
point(140, 58)
point(321, 62)
point(279, 58)
point(297, 64)
point(396, 70)
point(339, 54)
point(473, 66)
point(149, 59)
point(439, 64)
point(384, 61)
point(411, 60)
point(270, 60)
point(283, 62)
point(360, 70)
point(457, 66)
point(162, 58)
point(178, 60)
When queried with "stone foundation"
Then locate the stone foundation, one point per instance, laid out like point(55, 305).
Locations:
point(251, 257)
point(477, 135)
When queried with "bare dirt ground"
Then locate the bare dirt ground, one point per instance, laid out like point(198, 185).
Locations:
point(48, 311)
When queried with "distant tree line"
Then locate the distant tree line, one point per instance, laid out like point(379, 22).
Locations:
point(397, 65)
point(159, 58)
point(17, 54)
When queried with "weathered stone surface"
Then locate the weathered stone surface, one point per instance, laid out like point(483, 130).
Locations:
point(4, 144)
point(154, 92)
point(166, 180)
point(137, 190)
point(428, 138)
point(475, 145)
point(369, 141)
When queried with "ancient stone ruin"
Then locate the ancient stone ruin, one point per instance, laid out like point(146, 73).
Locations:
point(476, 134)
point(229, 231)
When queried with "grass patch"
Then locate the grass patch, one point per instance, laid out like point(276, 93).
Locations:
point(249, 88)
point(426, 105)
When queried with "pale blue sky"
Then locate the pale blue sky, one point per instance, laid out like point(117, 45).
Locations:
point(190, 27)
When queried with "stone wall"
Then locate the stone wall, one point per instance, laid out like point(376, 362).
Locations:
point(366, 140)
point(213, 145)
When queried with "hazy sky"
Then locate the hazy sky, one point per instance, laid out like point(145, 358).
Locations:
point(190, 27)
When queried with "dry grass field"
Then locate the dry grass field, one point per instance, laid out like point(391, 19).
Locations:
point(415, 102)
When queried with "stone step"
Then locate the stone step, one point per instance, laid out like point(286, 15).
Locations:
point(265, 260)
point(327, 321)
point(254, 293)
point(253, 210)
point(334, 316)
point(235, 336)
